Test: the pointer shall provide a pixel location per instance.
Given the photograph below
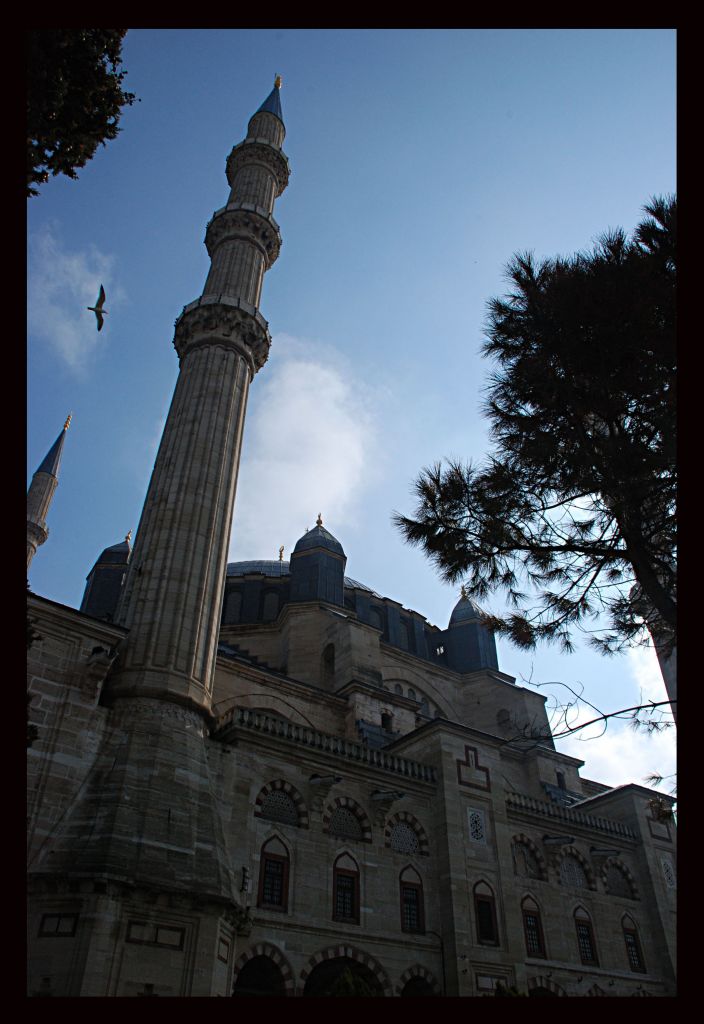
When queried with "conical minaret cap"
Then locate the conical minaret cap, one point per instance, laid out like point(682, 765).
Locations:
point(52, 459)
point(272, 104)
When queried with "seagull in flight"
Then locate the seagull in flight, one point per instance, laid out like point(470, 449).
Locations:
point(98, 308)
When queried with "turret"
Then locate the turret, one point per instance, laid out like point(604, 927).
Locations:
point(40, 493)
point(469, 644)
point(318, 567)
point(104, 581)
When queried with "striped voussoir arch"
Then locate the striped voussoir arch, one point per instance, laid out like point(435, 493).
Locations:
point(418, 971)
point(276, 956)
point(289, 790)
point(352, 953)
point(354, 808)
point(404, 818)
point(527, 841)
point(572, 851)
point(625, 871)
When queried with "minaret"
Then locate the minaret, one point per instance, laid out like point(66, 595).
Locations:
point(41, 491)
point(172, 598)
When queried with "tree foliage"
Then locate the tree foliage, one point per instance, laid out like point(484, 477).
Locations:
point(74, 98)
point(574, 512)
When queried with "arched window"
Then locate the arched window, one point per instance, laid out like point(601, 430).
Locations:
point(533, 928)
point(617, 882)
point(403, 838)
point(345, 890)
point(279, 806)
point(398, 689)
point(411, 893)
point(387, 721)
point(633, 950)
point(572, 872)
point(328, 664)
point(412, 694)
point(585, 937)
point(485, 912)
point(273, 876)
point(345, 824)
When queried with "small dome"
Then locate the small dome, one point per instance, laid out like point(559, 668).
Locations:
point(319, 537)
point(464, 611)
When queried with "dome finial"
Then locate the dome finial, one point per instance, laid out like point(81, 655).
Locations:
point(319, 520)
point(281, 553)
point(277, 82)
point(128, 538)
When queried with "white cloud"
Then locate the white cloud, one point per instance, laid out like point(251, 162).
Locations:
point(310, 446)
point(61, 285)
point(619, 754)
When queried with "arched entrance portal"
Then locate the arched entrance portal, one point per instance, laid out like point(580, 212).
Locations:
point(341, 976)
point(417, 986)
point(259, 977)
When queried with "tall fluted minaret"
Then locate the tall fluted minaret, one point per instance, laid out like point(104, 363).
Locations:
point(41, 491)
point(172, 596)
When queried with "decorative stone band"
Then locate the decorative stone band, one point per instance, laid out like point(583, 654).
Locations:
point(223, 320)
point(126, 710)
point(259, 151)
point(247, 222)
point(570, 816)
point(331, 746)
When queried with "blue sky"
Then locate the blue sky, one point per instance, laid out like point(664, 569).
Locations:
point(421, 161)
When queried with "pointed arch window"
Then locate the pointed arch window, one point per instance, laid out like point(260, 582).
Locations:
point(273, 876)
point(485, 913)
point(585, 937)
point(411, 894)
point(633, 950)
point(533, 928)
point(345, 890)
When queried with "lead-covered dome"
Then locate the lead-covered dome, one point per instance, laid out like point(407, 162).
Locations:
point(319, 537)
point(465, 611)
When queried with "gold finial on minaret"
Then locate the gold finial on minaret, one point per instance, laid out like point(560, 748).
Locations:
point(277, 82)
point(281, 553)
point(128, 538)
point(319, 520)
point(68, 421)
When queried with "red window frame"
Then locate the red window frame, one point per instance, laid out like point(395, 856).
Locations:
point(534, 912)
point(483, 940)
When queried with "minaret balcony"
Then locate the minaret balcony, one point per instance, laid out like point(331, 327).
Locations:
point(259, 151)
point(247, 222)
point(227, 321)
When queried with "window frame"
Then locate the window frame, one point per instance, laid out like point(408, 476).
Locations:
point(337, 874)
point(583, 921)
point(630, 932)
point(534, 911)
point(417, 888)
point(485, 898)
point(267, 858)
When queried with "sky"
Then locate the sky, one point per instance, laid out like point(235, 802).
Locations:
point(421, 161)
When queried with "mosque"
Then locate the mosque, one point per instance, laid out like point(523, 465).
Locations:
point(263, 778)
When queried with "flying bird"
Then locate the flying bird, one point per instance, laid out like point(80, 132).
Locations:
point(98, 308)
